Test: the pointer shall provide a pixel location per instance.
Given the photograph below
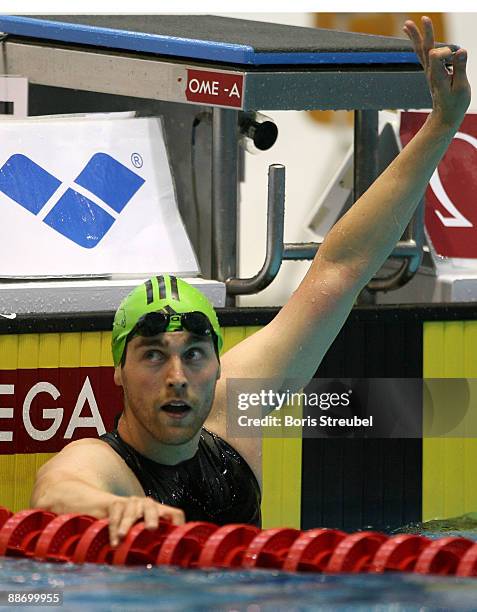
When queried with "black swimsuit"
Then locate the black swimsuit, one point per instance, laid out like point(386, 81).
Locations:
point(215, 485)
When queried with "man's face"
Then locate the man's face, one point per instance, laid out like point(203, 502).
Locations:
point(169, 383)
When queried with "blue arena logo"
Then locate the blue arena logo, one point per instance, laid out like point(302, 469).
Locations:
point(73, 215)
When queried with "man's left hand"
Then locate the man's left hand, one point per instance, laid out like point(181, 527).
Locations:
point(445, 73)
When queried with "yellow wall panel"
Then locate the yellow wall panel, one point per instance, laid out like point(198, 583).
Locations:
point(433, 481)
point(450, 464)
point(470, 344)
point(454, 349)
point(49, 351)
point(70, 350)
point(9, 352)
point(291, 482)
point(232, 336)
point(433, 355)
point(18, 474)
point(8, 481)
point(25, 471)
point(106, 358)
point(90, 345)
point(469, 475)
point(273, 454)
point(28, 350)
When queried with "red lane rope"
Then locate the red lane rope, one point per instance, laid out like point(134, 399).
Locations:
point(45, 536)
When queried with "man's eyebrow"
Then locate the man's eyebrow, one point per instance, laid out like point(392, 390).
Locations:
point(161, 341)
point(194, 338)
point(151, 341)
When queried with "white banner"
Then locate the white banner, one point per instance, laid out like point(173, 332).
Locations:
point(88, 196)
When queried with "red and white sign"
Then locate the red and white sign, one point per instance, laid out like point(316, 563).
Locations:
point(43, 410)
point(219, 88)
point(451, 213)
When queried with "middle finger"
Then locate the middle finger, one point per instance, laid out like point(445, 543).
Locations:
point(151, 516)
point(428, 38)
point(132, 513)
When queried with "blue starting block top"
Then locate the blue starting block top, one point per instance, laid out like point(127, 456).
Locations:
point(212, 38)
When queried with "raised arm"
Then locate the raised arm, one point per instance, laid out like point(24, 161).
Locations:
point(294, 343)
point(88, 477)
point(364, 237)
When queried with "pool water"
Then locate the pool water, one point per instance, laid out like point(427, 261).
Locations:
point(98, 588)
point(464, 526)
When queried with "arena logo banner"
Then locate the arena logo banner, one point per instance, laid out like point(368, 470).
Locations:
point(43, 410)
point(450, 213)
point(88, 195)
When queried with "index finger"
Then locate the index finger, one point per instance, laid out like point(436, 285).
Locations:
point(428, 39)
point(415, 36)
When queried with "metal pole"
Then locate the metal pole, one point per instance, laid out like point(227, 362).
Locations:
point(365, 165)
point(275, 226)
point(224, 195)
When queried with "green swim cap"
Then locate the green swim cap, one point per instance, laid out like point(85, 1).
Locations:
point(159, 293)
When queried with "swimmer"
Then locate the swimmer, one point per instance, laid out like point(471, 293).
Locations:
point(170, 455)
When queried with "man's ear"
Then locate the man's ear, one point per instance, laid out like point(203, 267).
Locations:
point(118, 376)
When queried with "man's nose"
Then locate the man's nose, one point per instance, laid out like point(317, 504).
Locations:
point(176, 377)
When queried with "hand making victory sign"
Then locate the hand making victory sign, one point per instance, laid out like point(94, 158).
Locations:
point(445, 71)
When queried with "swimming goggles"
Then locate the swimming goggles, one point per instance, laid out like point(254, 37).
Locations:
point(153, 323)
